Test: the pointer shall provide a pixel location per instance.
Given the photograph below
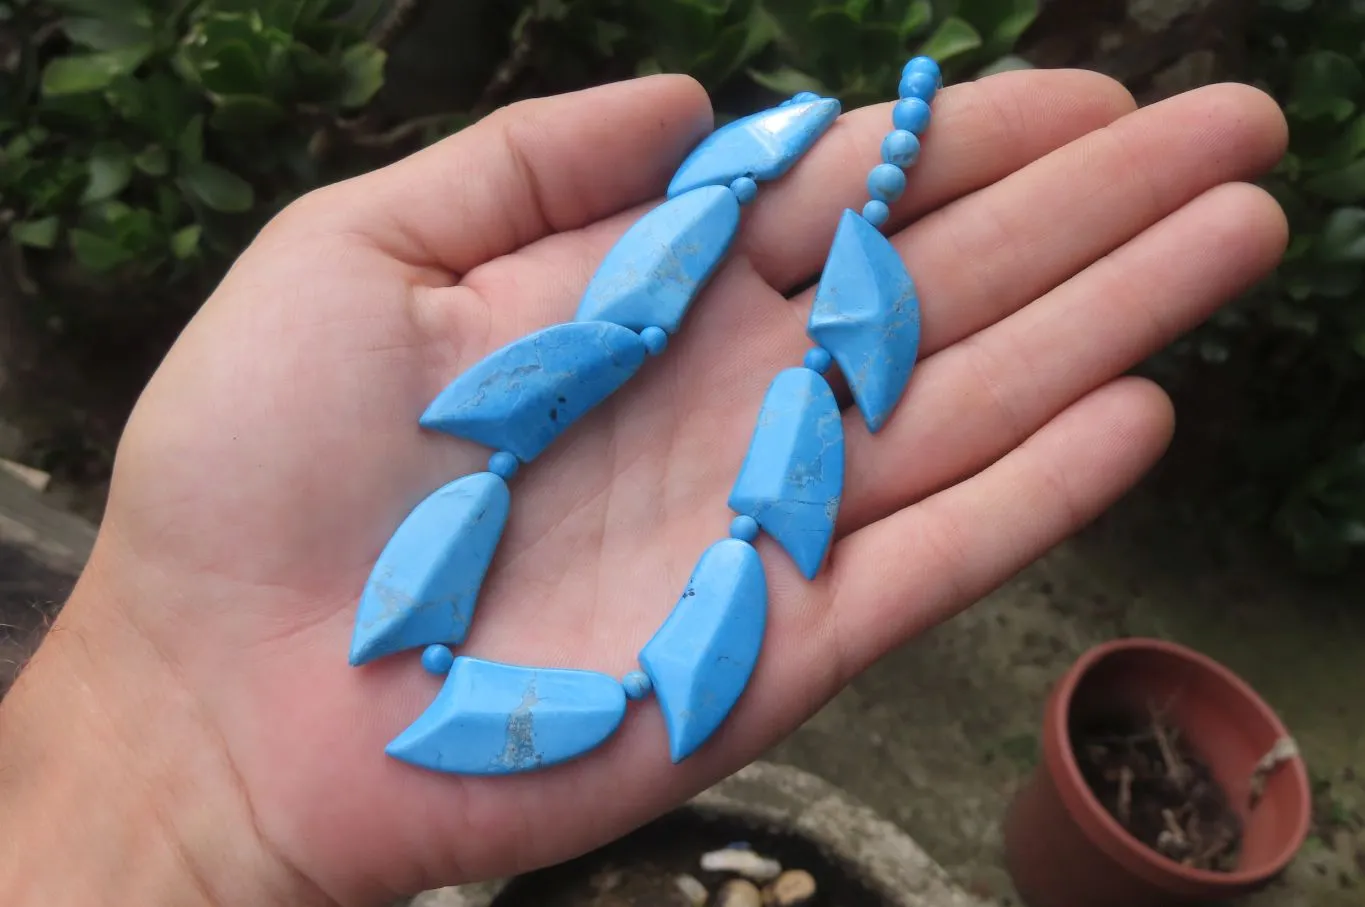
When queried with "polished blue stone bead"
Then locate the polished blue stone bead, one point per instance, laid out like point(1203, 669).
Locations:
point(804, 97)
point(523, 396)
point(655, 340)
point(793, 475)
point(745, 189)
point(867, 315)
point(498, 719)
point(701, 658)
point(900, 148)
point(921, 85)
point(763, 145)
point(504, 465)
point(637, 685)
point(876, 212)
point(886, 182)
point(744, 528)
point(911, 114)
point(924, 64)
point(818, 359)
point(655, 270)
point(424, 586)
point(437, 660)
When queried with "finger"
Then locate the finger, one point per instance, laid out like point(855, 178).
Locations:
point(905, 573)
point(976, 400)
point(991, 252)
point(980, 132)
point(537, 167)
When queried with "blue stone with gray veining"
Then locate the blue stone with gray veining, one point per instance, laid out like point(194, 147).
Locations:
point(793, 475)
point(498, 719)
point(426, 581)
point(866, 314)
point(652, 274)
point(763, 145)
point(700, 659)
point(523, 396)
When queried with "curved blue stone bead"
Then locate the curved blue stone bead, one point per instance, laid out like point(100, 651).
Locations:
point(498, 719)
point(523, 396)
point(655, 270)
point(423, 588)
point(866, 314)
point(793, 476)
point(700, 660)
point(763, 145)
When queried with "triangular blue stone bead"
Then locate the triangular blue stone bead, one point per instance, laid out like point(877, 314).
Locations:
point(866, 314)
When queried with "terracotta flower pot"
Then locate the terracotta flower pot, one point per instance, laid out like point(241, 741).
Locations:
point(1064, 849)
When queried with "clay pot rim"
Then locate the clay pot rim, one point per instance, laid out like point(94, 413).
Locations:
point(1086, 809)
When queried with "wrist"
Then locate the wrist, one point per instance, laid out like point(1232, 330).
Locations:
point(114, 786)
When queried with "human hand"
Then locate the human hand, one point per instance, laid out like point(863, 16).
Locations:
point(193, 709)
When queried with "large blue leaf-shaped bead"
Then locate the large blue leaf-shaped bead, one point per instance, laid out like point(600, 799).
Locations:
point(763, 145)
point(867, 315)
point(425, 584)
point(655, 270)
point(523, 396)
point(700, 660)
point(793, 476)
point(498, 719)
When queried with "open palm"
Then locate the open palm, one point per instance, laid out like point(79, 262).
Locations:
point(1055, 236)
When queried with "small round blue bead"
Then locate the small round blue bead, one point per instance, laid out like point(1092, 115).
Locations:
point(886, 182)
point(921, 85)
point(876, 212)
point(437, 660)
point(924, 64)
point(911, 114)
point(744, 189)
point(804, 97)
point(744, 528)
point(503, 464)
point(818, 360)
point(637, 684)
point(655, 339)
point(900, 148)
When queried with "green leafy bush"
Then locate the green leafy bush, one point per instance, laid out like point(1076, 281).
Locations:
point(1290, 358)
point(133, 132)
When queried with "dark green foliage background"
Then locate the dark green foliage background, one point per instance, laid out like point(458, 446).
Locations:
point(142, 142)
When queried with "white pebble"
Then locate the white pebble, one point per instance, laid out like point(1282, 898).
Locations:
point(793, 887)
point(694, 891)
point(738, 893)
point(741, 862)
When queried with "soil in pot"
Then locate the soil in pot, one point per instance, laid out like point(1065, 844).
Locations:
point(1148, 778)
point(641, 869)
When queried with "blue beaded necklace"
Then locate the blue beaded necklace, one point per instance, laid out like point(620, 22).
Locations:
point(492, 718)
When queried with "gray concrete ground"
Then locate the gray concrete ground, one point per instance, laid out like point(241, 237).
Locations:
point(942, 732)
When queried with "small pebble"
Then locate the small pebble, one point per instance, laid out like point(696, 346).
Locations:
point(738, 893)
point(694, 891)
point(794, 887)
point(742, 862)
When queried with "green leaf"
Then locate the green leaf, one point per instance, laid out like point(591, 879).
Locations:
point(153, 161)
point(109, 170)
point(90, 72)
point(788, 81)
point(104, 33)
point(98, 253)
point(108, 10)
point(220, 189)
point(40, 234)
point(185, 241)
point(234, 69)
point(363, 66)
point(190, 144)
point(917, 16)
point(1343, 236)
point(1344, 185)
point(1324, 85)
point(244, 113)
point(952, 38)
